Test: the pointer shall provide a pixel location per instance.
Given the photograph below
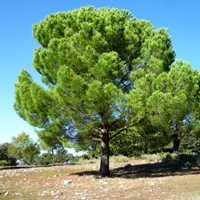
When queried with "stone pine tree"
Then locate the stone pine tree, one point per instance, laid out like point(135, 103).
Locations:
point(174, 102)
point(86, 58)
point(170, 102)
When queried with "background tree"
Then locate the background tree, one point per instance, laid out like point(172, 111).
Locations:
point(50, 143)
point(141, 139)
point(62, 156)
point(24, 149)
point(44, 159)
point(170, 101)
point(54, 147)
point(85, 58)
point(5, 157)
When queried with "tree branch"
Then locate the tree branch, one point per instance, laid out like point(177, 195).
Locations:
point(123, 129)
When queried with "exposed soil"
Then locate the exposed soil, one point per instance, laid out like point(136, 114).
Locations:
point(134, 180)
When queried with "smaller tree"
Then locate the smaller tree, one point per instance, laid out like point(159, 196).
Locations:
point(172, 105)
point(5, 157)
point(62, 156)
point(49, 143)
point(44, 159)
point(24, 148)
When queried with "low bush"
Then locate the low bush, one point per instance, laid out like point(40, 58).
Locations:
point(189, 160)
point(151, 157)
point(5, 163)
point(168, 156)
point(185, 160)
point(119, 158)
point(85, 159)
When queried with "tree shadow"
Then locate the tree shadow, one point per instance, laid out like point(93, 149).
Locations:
point(148, 170)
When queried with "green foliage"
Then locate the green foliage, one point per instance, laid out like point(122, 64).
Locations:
point(4, 151)
point(88, 159)
point(106, 72)
point(141, 139)
point(24, 149)
point(168, 156)
point(127, 144)
point(85, 159)
point(44, 159)
point(151, 157)
point(7, 162)
point(5, 157)
point(86, 59)
point(119, 158)
point(59, 156)
point(189, 160)
point(190, 144)
point(184, 160)
point(169, 102)
point(62, 156)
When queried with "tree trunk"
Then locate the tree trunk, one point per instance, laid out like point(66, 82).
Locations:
point(176, 143)
point(105, 152)
point(145, 148)
point(52, 153)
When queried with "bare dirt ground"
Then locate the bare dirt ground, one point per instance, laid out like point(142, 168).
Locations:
point(133, 180)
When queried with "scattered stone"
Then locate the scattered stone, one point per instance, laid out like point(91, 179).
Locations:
point(17, 194)
point(55, 193)
point(150, 183)
point(104, 181)
point(83, 198)
point(7, 193)
point(66, 182)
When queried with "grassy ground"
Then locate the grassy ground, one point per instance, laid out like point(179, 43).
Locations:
point(132, 180)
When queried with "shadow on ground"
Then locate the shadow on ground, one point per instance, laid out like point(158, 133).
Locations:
point(148, 170)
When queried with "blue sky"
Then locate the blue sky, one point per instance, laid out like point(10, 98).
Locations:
point(181, 17)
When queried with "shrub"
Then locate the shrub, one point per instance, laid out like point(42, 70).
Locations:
point(151, 157)
point(190, 144)
point(44, 159)
point(5, 163)
point(119, 158)
point(189, 160)
point(168, 156)
point(84, 159)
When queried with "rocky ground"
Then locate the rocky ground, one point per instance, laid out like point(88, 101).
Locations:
point(135, 180)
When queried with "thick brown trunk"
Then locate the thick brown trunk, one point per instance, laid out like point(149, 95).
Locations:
point(105, 152)
point(176, 143)
point(145, 148)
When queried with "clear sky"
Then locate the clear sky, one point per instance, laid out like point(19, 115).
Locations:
point(181, 17)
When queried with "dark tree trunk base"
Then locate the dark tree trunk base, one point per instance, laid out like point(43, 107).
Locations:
point(104, 165)
point(176, 143)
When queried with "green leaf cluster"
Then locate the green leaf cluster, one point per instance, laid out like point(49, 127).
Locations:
point(24, 149)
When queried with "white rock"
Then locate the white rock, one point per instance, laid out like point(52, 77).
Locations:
point(83, 198)
point(7, 193)
point(103, 181)
point(66, 182)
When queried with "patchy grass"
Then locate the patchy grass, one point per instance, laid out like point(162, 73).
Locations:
point(131, 180)
point(59, 172)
